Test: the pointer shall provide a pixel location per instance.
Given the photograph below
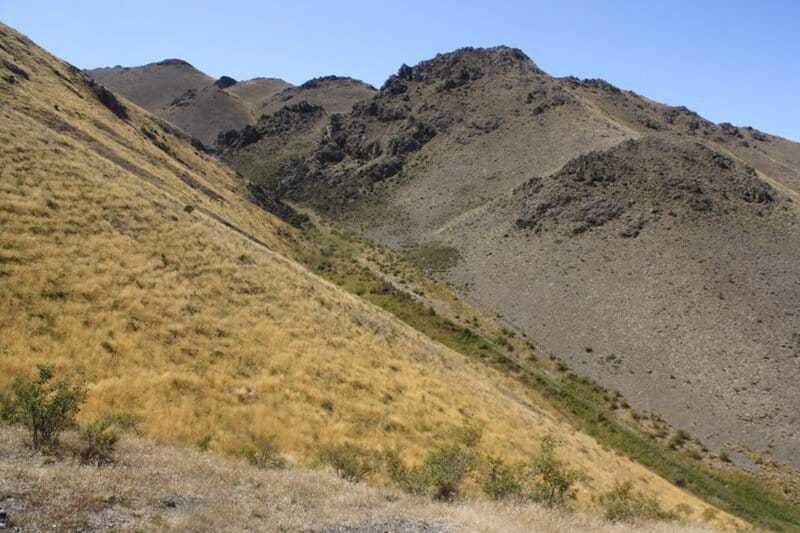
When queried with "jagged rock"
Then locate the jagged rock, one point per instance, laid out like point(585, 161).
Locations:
point(108, 99)
point(596, 83)
point(184, 99)
point(224, 82)
point(394, 86)
point(382, 170)
point(730, 130)
point(303, 107)
point(535, 95)
point(464, 76)
point(373, 108)
point(405, 72)
point(329, 153)
point(233, 139)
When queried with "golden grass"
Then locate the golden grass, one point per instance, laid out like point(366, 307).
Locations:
point(198, 323)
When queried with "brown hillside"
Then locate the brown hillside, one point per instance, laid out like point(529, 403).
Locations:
point(153, 86)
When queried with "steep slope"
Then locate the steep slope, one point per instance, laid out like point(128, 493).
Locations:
point(640, 243)
point(136, 263)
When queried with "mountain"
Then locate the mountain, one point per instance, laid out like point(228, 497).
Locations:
point(191, 100)
point(144, 268)
point(203, 107)
point(643, 245)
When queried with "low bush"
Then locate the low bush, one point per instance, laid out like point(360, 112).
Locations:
point(623, 504)
point(549, 480)
point(98, 441)
point(263, 453)
point(43, 405)
point(500, 480)
point(444, 469)
point(348, 461)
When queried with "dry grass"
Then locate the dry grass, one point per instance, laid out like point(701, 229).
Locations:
point(213, 494)
point(198, 323)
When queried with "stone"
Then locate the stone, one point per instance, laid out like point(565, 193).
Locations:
point(224, 82)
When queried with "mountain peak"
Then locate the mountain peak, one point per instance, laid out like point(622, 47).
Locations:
point(173, 62)
point(465, 64)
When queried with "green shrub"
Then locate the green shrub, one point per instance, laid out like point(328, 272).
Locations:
point(549, 480)
point(44, 406)
point(348, 461)
point(264, 453)
point(623, 504)
point(501, 480)
point(445, 469)
point(410, 480)
point(203, 442)
point(98, 441)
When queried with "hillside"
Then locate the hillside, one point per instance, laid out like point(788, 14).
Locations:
point(643, 245)
point(193, 101)
point(141, 266)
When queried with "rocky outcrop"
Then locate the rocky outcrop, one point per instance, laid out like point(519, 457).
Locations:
point(639, 182)
point(224, 82)
point(108, 99)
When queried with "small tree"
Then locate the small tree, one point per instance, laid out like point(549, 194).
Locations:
point(552, 482)
point(501, 481)
point(44, 406)
point(445, 468)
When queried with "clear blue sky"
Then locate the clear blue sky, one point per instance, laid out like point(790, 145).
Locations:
point(735, 61)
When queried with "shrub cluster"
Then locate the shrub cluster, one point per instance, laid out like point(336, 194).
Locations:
point(350, 462)
point(623, 504)
point(47, 406)
point(43, 405)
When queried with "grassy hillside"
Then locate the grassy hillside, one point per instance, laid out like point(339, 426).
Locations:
point(138, 265)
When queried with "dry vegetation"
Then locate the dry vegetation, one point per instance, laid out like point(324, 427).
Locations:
point(155, 487)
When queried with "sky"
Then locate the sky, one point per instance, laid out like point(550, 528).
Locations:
point(731, 61)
